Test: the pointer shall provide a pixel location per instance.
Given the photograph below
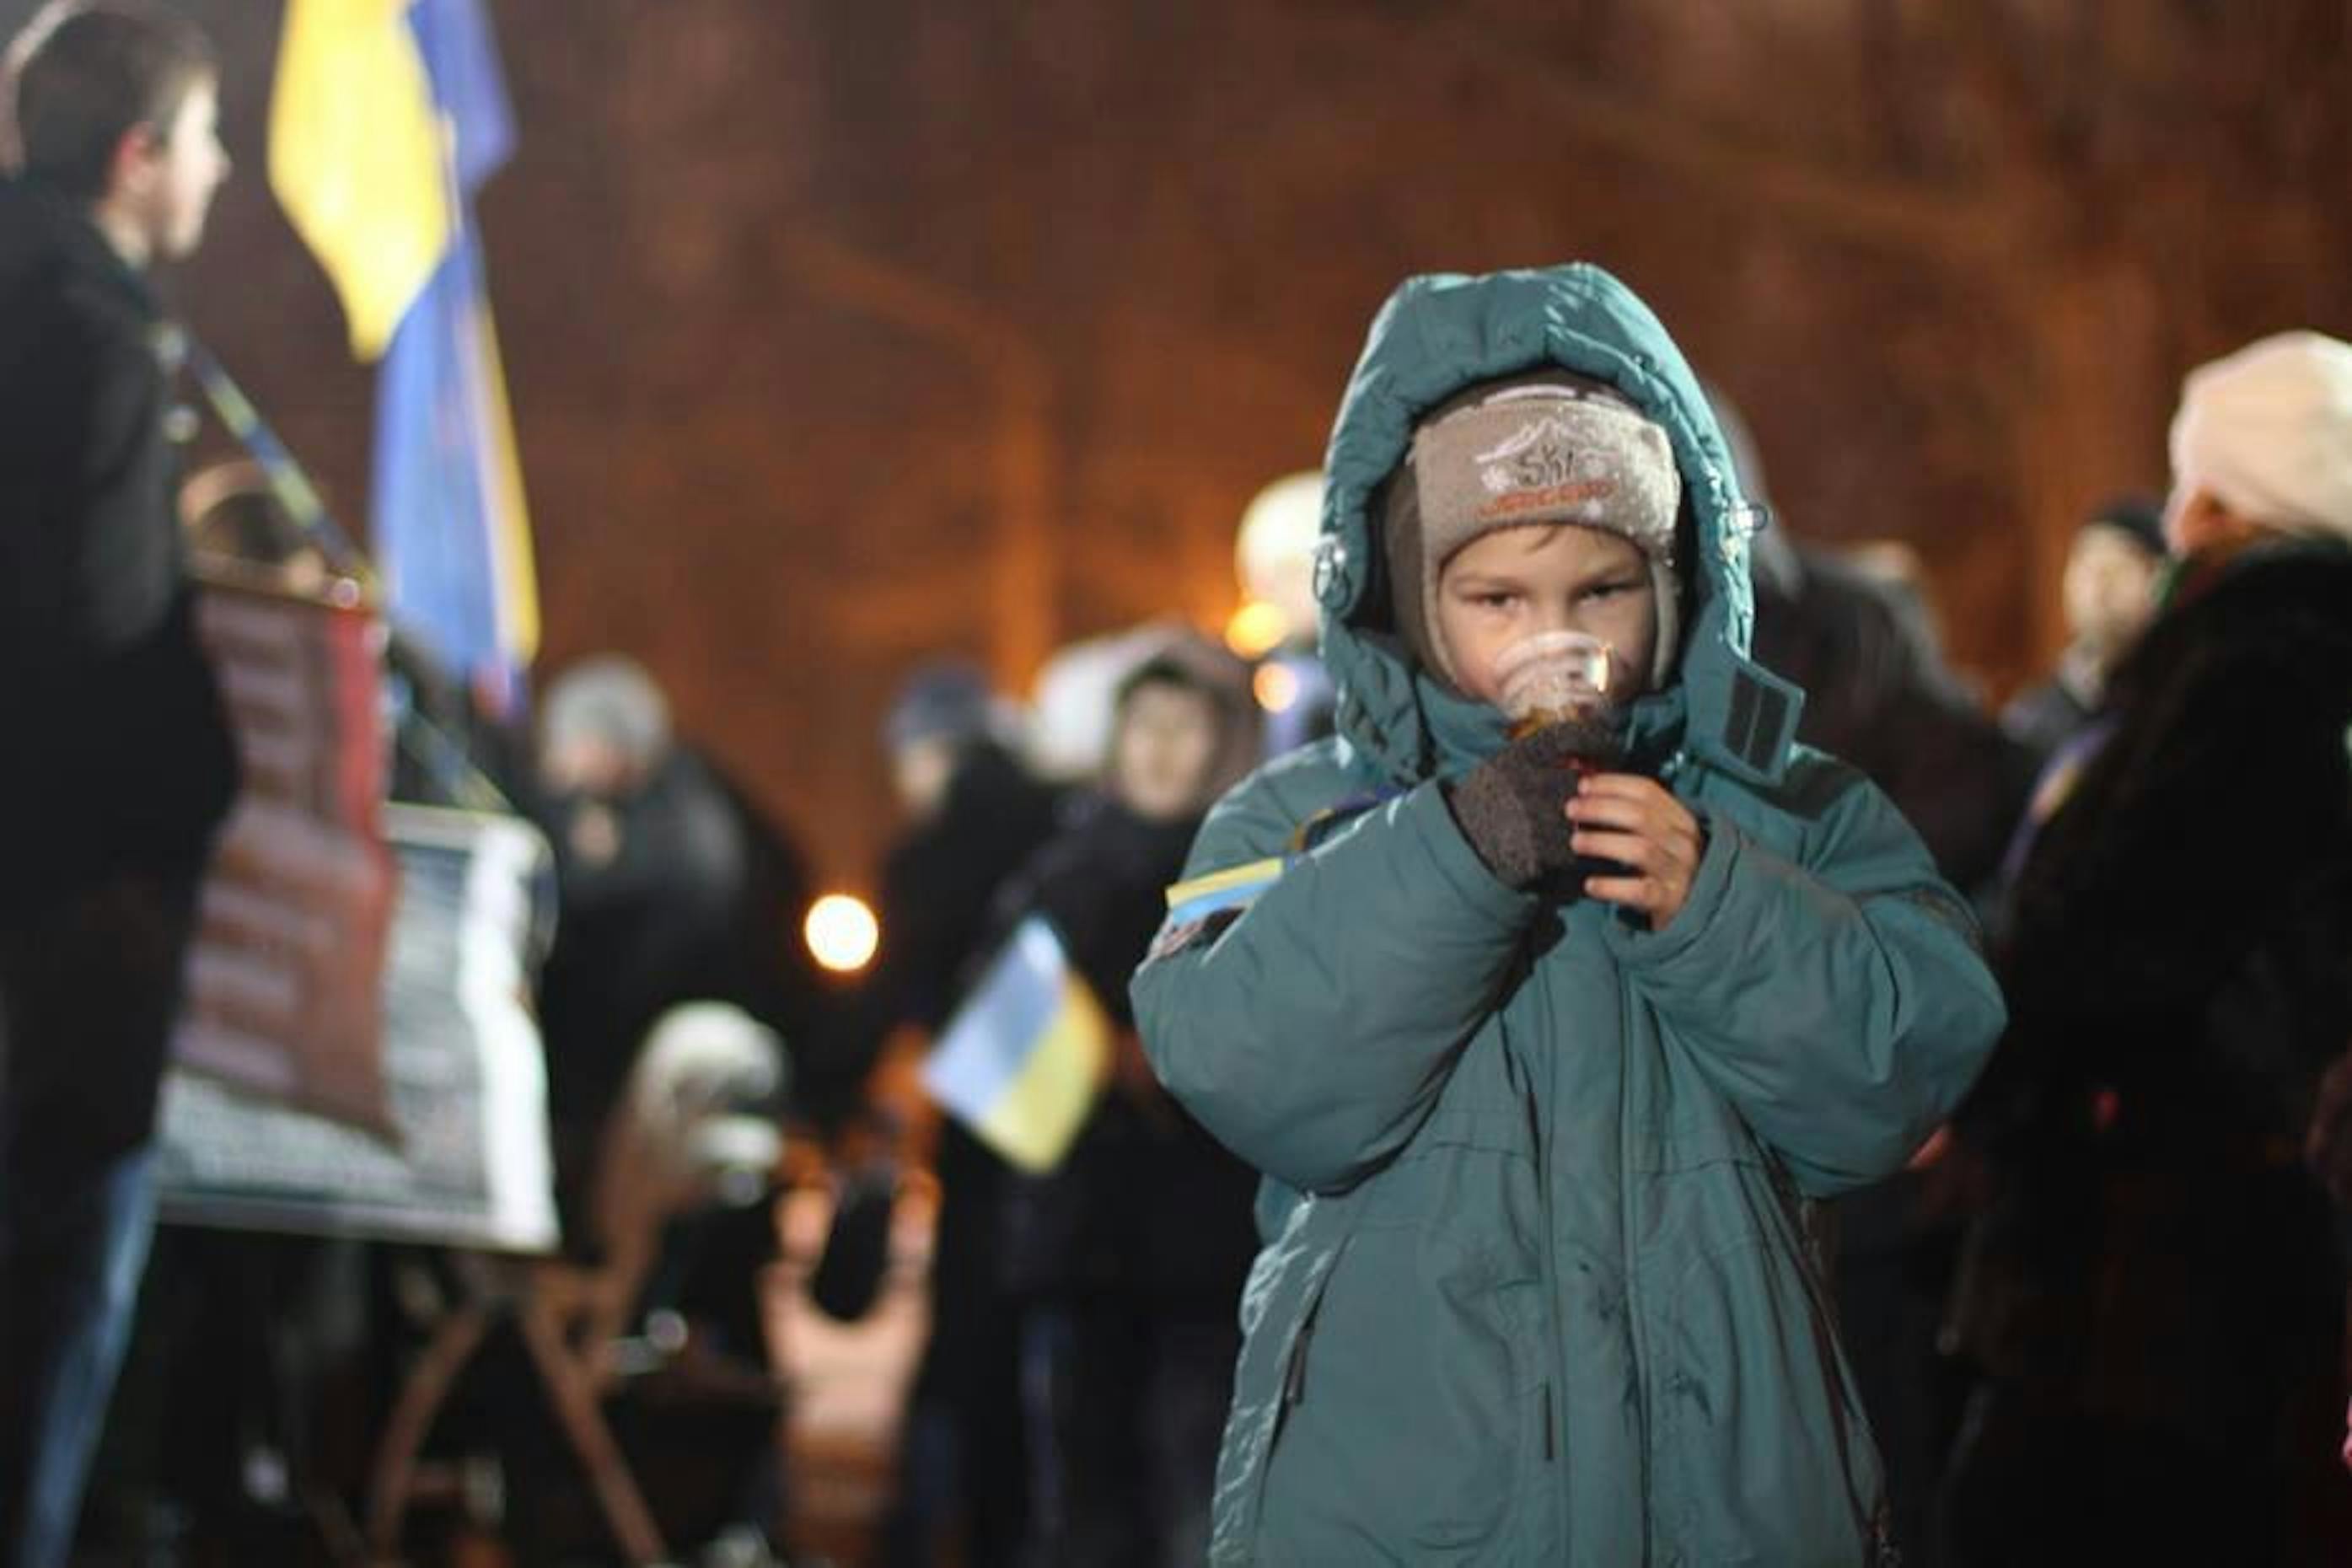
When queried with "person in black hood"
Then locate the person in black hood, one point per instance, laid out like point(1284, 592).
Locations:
point(1128, 1256)
point(975, 815)
point(974, 812)
point(122, 763)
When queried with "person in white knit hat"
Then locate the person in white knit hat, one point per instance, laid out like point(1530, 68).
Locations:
point(2156, 1286)
point(2262, 444)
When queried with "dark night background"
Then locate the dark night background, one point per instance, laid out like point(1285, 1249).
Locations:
point(842, 333)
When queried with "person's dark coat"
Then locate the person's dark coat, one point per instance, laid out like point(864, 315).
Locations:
point(2044, 717)
point(2156, 1265)
point(696, 901)
point(939, 882)
point(1146, 1202)
point(119, 753)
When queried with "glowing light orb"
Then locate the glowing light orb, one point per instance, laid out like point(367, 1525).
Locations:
point(1257, 627)
point(841, 933)
point(1276, 688)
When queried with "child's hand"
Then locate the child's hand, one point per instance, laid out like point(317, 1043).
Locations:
point(1637, 823)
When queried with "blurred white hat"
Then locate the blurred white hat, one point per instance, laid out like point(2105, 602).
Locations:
point(2268, 430)
point(1075, 694)
point(1274, 552)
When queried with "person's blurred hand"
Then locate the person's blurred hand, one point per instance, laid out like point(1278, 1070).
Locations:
point(1131, 1077)
point(594, 834)
point(2327, 1147)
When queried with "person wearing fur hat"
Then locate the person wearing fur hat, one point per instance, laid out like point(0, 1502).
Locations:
point(1545, 993)
point(2156, 1287)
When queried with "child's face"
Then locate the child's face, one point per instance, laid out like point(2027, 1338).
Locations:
point(1159, 760)
point(1506, 586)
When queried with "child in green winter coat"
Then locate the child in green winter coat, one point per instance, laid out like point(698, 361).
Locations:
point(1545, 991)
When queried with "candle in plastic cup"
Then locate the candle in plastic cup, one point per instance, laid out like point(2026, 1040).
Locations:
point(1554, 677)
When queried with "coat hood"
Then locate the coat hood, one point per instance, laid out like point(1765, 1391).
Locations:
point(1437, 336)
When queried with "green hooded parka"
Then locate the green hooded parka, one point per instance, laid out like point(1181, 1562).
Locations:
point(1535, 1287)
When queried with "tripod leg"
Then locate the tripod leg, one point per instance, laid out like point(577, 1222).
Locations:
point(421, 1395)
point(575, 1404)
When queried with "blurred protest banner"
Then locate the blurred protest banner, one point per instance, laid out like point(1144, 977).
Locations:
point(463, 1156)
point(356, 1053)
point(287, 966)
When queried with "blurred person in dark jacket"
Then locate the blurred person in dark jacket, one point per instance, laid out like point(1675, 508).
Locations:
point(1128, 1256)
point(122, 763)
point(1879, 694)
point(672, 887)
point(974, 814)
point(2156, 1287)
point(1859, 638)
point(2112, 567)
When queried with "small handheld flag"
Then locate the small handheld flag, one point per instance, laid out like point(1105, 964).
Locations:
point(1023, 1058)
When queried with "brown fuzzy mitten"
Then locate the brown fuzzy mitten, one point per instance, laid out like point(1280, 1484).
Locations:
point(1512, 805)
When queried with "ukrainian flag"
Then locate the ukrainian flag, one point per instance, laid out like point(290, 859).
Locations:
point(355, 156)
point(1022, 1061)
point(388, 208)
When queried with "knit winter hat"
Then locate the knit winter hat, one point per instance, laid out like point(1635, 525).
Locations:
point(2268, 430)
point(1546, 447)
point(947, 699)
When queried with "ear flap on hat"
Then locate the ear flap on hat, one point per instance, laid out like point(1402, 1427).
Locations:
point(1397, 504)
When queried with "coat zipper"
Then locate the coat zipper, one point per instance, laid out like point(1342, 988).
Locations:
point(1626, 1232)
point(1294, 1376)
point(1552, 1403)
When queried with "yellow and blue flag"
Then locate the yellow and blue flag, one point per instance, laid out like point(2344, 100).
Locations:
point(1234, 888)
point(1023, 1058)
point(356, 157)
point(451, 530)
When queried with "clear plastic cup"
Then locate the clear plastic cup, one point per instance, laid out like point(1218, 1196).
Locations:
point(1554, 677)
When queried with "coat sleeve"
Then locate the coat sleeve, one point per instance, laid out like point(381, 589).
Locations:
point(1841, 1003)
point(1313, 1032)
point(109, 526)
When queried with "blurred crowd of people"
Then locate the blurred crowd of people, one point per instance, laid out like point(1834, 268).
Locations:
point(2100, 1317)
